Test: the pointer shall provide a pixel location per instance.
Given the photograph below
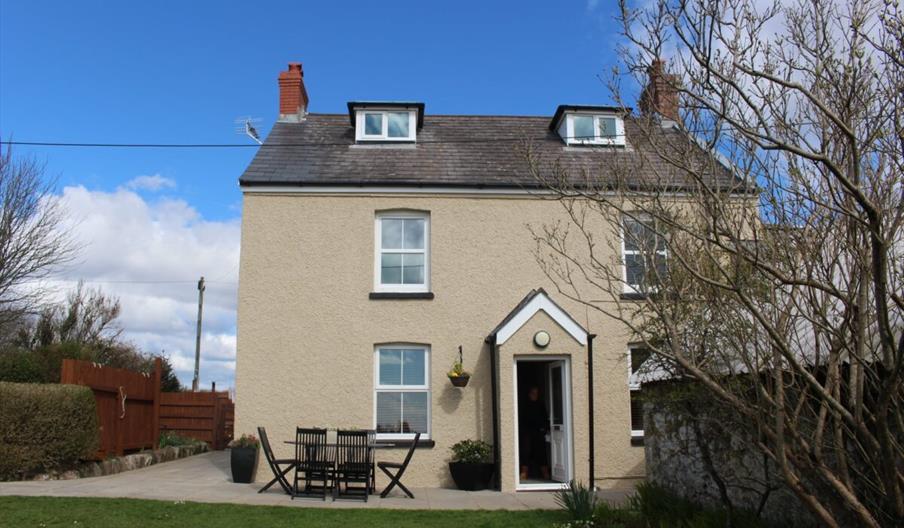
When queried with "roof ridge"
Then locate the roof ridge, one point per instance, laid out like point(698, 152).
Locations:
point(324, 114)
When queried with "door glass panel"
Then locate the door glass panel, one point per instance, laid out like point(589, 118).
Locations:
point(557, 405)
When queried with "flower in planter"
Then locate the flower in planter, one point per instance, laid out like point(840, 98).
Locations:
point(246, 441)
point(458, 371)
point(471, 452)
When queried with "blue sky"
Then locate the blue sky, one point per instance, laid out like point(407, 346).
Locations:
point(181, 72)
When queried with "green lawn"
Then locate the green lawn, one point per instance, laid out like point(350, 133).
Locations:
point(104, 513)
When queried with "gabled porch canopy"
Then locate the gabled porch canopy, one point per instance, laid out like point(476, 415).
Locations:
point(535, 301)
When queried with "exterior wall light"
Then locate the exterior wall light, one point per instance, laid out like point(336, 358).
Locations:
point(541, 339)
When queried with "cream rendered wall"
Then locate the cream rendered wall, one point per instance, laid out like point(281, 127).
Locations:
point(307, 330)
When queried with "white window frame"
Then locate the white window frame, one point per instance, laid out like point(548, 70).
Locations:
point(378, 252)
point(403, 388)
point(633, 387)
point(570, 138)
point(632, 288)
point(384, 134)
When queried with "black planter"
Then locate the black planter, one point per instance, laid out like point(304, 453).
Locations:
point(471, 476)
point(460, 381)
point(243, 460)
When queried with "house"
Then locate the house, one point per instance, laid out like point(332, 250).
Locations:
point(378, 243)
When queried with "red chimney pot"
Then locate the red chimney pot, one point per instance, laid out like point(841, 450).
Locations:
point(660, 96)
point(293, 97)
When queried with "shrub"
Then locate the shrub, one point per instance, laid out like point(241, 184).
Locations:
point(471, 451)
point(609, 517)
point(660, 507)
point(171, 438)
point(650, 506)
point(45, 427)
point(578, 500)
point(21, 366)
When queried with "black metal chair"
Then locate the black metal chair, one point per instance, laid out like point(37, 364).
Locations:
point(313, 462)
point(279, 474)
point(353, 464)
point(396, 479)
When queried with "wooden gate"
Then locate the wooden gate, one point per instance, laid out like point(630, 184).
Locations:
point(127, 404)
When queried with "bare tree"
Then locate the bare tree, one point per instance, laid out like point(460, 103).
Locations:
point(32, 241)
point(84, 327)
point(774, 277)
point(88, 317)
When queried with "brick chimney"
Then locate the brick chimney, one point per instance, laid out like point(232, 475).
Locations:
point(661, 93)
point(293, 98)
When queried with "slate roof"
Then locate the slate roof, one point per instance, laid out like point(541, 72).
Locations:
point(451, 150)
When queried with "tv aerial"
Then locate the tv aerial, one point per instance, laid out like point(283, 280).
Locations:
point(246, 126)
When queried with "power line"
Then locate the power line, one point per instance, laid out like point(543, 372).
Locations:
point(50, 279)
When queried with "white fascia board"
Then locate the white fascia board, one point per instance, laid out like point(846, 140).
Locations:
point(541, 302)
point(390, 189)
point(411, 189)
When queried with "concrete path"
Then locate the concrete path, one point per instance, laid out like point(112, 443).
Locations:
point(206, 478)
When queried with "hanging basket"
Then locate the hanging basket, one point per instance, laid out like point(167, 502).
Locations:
point(460, 381)
point(457, 375)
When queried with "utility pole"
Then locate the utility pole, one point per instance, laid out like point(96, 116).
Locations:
point(194, 381)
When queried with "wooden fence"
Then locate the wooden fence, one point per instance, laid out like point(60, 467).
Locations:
point(127, 404)
point(132, 412)
point(207, 416)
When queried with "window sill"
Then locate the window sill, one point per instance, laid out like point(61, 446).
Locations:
point(375, 296)
point(636, 440)
point(577, 146)
point(632, 296)
point(382, 143)
point(390, 444)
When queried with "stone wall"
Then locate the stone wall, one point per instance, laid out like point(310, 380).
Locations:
point(679, 419)
point(115, 465)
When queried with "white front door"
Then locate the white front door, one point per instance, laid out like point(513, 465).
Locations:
point(558, 422)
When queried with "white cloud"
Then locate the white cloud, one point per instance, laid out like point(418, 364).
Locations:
point(154, 182)
point(150, 255)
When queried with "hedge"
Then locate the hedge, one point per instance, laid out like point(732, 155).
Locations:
point(45, 427)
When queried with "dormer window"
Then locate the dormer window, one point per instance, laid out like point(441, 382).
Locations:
point(589, 125)
point(388, 125)
point(386, 122)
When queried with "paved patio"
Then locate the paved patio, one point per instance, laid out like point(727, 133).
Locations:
point(206, 478)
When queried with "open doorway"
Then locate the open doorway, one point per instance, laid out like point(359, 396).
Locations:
point(543, 439)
